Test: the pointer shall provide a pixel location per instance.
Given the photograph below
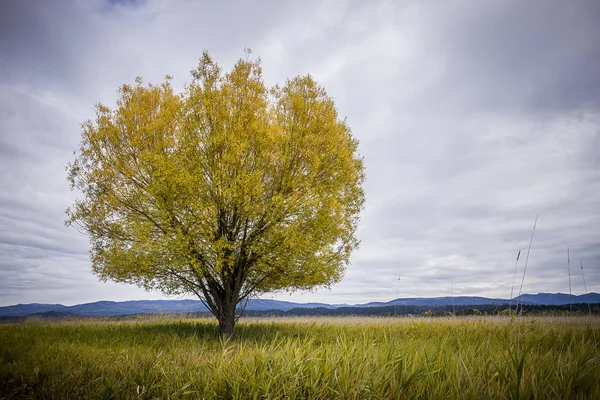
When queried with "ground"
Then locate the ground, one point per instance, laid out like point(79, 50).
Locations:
point(315, 358)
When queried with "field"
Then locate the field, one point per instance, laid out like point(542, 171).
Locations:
point(318, 358)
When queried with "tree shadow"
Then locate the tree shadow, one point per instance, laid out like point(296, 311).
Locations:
point(246, 331)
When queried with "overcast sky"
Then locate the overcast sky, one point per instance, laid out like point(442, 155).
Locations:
point(473, 117)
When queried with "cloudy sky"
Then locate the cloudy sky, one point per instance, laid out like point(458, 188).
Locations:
point(473, 118)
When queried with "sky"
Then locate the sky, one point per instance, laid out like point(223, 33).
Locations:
point(473, 117)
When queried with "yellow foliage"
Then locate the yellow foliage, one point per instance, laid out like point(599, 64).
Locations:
point(228, 189)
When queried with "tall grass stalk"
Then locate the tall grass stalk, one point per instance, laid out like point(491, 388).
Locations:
point(585, 286)
point(452, 292)
point(396, 298)
point(526, 261)
point(513, 284)
point(570, 298)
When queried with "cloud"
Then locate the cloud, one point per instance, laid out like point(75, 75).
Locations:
point(473, 117)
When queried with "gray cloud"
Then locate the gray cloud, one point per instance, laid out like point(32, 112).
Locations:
point(473, 118)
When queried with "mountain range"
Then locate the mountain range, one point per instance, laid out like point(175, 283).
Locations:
point(112, 308)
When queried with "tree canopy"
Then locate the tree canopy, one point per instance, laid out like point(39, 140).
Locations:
point(226, 190)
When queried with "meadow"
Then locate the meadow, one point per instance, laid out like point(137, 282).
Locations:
point(303, 358)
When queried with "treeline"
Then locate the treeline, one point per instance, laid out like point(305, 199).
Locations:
point(437, 311)
point(387, 311)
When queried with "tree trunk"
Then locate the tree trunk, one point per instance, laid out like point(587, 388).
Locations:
point(227, 320)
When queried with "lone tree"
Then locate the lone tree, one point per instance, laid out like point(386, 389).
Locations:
point(225, 191)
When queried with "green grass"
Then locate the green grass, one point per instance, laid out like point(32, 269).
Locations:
point(315, 358)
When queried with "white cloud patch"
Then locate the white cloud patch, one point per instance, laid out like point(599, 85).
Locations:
point(473, 118)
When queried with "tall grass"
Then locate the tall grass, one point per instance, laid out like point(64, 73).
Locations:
point(513, 284)
point(526, 262)
point(313, 358)
point(570, 293)
point(585, 286)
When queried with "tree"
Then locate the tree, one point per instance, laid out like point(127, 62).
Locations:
point(227, 190)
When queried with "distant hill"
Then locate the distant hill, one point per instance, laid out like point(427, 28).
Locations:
point(533, 299)
point(112, 308)
point(28, 309)
point(556, 299)
point(438, 301)
point(107, 308)
point(269, 304)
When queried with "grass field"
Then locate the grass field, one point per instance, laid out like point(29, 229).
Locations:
point(317, 358)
